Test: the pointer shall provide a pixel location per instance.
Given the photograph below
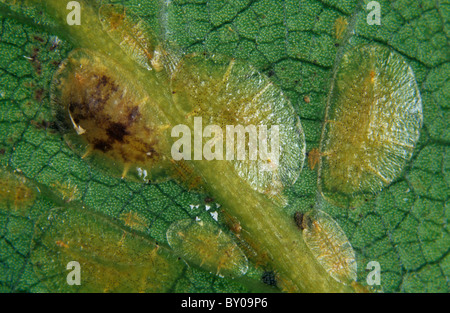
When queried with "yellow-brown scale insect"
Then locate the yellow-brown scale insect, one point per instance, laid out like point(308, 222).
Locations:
point(108, 118)
point(245, 242)
point(229, 93)
point(206, 245)
point(67, 190)
point(371, 127)
point(131, 34)
point(134, 221)
point(329, 244)
point(185, 175)
point(340, 25)
point(313, 158)
point(361, 288)
point(109, 262)
point(16, 193)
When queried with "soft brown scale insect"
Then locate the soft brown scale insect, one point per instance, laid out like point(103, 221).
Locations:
point(110, 115)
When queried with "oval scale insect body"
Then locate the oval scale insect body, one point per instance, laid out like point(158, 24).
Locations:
point(108, 118)
point(340, 26)
point(207, 246)
point(131, 34)
point(16, 193)
point(371, 126)
point(327, 241)
point(109, 260)
point(233, 95)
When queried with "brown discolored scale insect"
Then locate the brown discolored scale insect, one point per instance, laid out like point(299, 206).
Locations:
point(109, 118)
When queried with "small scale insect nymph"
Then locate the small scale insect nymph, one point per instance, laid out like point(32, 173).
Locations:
point(206, 245)
point(327, 241)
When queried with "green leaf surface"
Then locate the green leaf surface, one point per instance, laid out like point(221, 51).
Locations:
point(295, 43)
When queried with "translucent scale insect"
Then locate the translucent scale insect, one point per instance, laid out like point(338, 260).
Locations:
point(109, 261)
point(340, 26)
point(109, 118)
point(230, 93)
point(313, 158)
point(328, 243)
point(131, 34)
point(16, 193)
point(371, 126)
point(206, 245)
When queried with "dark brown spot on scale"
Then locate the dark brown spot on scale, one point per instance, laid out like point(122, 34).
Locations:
point(133, 115)
point(102, 145)
point(104, 80)
point(117, 131)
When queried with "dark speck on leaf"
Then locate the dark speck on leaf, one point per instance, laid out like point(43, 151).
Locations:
point(37, 38)
point(209, 200)
point(269, 278)
point(38, 94)
point(298, 218)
